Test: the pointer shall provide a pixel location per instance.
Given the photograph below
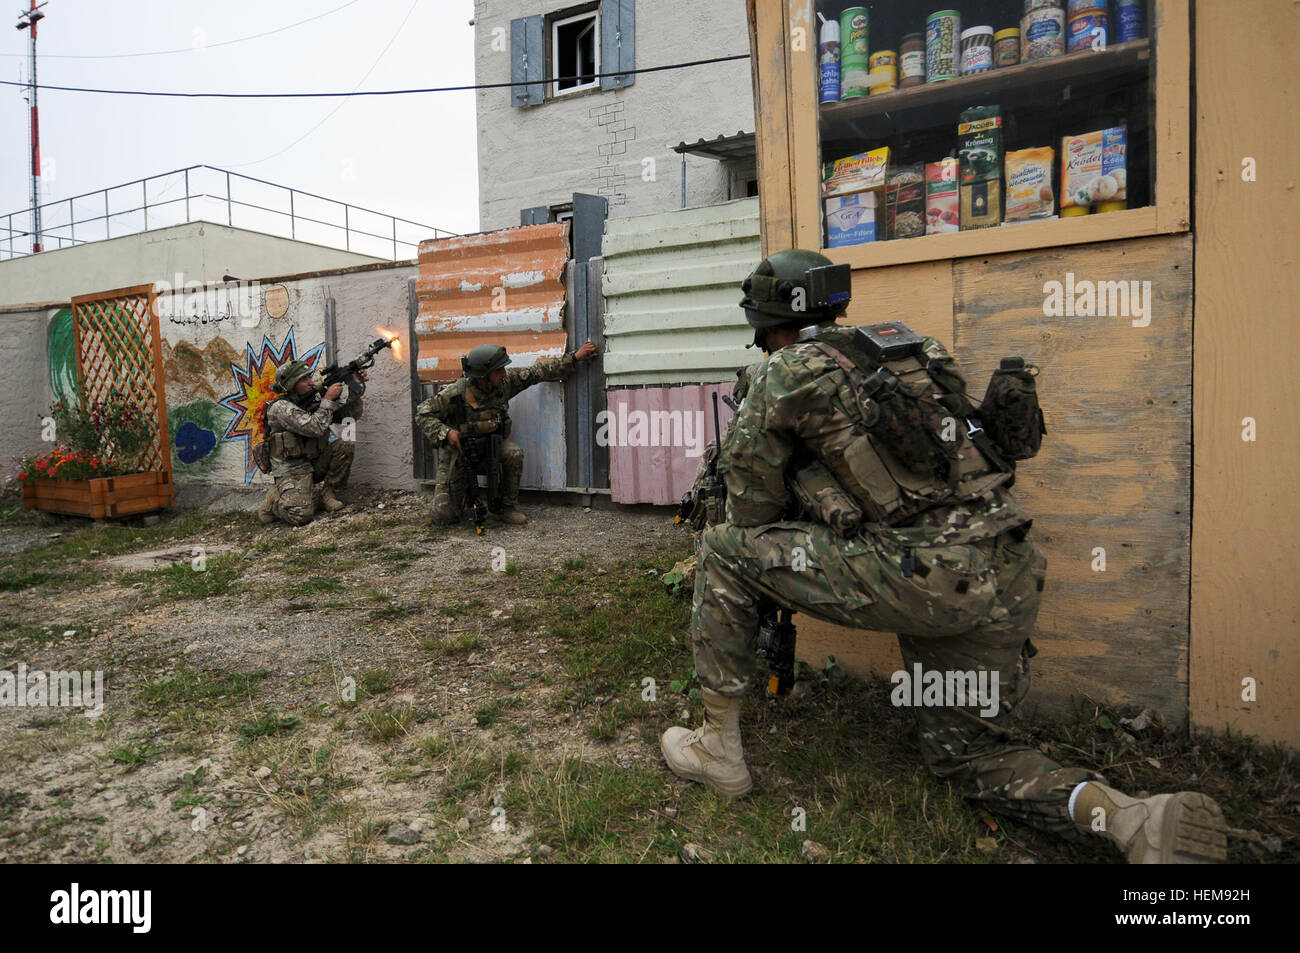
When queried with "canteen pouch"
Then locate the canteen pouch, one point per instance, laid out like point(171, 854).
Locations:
point(1010, 412)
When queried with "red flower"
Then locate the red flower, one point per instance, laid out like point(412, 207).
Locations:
point(22, 475)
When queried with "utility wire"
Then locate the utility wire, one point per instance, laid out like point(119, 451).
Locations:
point(184, 49)
point(330, 114)
point(379, 92)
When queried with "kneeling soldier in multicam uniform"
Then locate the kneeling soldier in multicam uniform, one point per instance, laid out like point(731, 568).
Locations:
point(943, 558)
point(479, 403)
point(308, 468)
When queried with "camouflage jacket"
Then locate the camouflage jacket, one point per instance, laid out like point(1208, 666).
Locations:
point(298, 436)
point(446, 410)
point(803, 407)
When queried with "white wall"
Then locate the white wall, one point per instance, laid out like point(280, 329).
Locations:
point(540, 155)
point(24, 398)
point(201, 251)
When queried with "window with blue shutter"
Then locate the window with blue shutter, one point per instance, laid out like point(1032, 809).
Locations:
point(528, 60)
point(617, 42)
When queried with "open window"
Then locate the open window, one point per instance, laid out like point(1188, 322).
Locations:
point(575, 52)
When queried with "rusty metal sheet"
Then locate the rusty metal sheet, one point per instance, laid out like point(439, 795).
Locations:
point(504, 287)
point(656, 438)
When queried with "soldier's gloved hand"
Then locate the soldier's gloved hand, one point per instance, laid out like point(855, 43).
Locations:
point(585, 353)
point(334, 391)
point(453, 438)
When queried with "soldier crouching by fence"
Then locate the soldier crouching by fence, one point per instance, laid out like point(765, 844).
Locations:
point(475, 409)
point(907, 527)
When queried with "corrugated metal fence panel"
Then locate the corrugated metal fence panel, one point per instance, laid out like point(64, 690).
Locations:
point(504, 287)
point(672, 289)
point(657, 437)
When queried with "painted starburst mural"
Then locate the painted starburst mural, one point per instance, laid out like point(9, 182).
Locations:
point(253, 389)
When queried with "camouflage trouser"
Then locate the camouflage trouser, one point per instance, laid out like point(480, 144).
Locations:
point(967, 608)
point(449, 493)
point(299, 491)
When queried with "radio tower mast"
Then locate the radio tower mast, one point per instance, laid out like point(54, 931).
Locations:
point(27, 21)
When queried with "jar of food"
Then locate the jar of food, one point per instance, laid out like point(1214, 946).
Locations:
point(1006, 47)
point(1114, 205)
point(976, 50)
point(1072, 210)
point(911, 60)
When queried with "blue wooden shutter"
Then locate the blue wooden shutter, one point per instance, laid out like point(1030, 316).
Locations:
point(617, 42)
point(527, 60)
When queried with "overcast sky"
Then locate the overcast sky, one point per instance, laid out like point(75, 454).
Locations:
point(410, 156)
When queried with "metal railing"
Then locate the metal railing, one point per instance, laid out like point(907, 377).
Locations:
point(65, 234)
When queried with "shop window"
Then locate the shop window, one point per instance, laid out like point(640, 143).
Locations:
point(986, 116)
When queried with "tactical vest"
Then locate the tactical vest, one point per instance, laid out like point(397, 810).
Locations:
point(919, 442)
point(289, 446)
point(479, 415)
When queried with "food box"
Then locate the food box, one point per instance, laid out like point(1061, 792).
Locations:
point(856, 173)
point(853, 219)
point(981, 204)
point(1028, 183)
point(905, 201)
point(979, 133)
point(942, 211)
point(1093, 167)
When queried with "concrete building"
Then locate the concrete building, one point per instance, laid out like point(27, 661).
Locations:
point(612, 136)
point(199, 251)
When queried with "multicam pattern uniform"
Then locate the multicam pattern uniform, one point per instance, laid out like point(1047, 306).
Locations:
point(970, 604)
point(440, 414)
point(300, 480)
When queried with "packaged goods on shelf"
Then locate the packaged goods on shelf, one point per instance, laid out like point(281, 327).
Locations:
point(905, 201)
point(856, 173)
point(980, 143)
point(853, 53)
point(1029, 184)
point(981, 204)
point(942, 207)
point(852, 219)
point(1093, 167)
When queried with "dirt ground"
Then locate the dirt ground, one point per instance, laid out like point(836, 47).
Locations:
point(372, 688)
point(370, 590)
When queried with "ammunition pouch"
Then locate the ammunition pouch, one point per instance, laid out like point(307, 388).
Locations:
point(825, 501)
point(286, 445)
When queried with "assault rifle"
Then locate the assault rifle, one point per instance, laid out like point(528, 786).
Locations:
point(714, 488)
point(341, 375)
point(334, 374)
point(776, 638)
point(471, 462)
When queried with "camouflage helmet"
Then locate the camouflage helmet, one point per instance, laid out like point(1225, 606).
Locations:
point(288, 375)
point(483, 360)
point(772, 291)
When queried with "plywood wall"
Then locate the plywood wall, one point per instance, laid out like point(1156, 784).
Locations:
point(1245, 606)
point(1114, 472)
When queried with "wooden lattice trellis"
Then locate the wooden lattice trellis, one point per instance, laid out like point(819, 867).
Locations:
point(119, 349)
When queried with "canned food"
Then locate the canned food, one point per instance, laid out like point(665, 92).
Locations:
point(1088, 31)
point(976, 50)
point(883, 71)
point(942, 54)
point(1129, 20)
point(1042, 34)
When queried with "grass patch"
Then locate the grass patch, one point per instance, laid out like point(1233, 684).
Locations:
point(457, 645)
point(188, 687)
point(272, 723)
point(375, 681)
point(493, 712)
point(389, 722)
point(134, 755)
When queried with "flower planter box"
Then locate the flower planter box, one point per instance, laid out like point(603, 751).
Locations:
point(101, 498)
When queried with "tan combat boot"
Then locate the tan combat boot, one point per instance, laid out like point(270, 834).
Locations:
point(513, 516)
point(266, 512)
point(711, 754)
point(331, 502)
point(1182, 828)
